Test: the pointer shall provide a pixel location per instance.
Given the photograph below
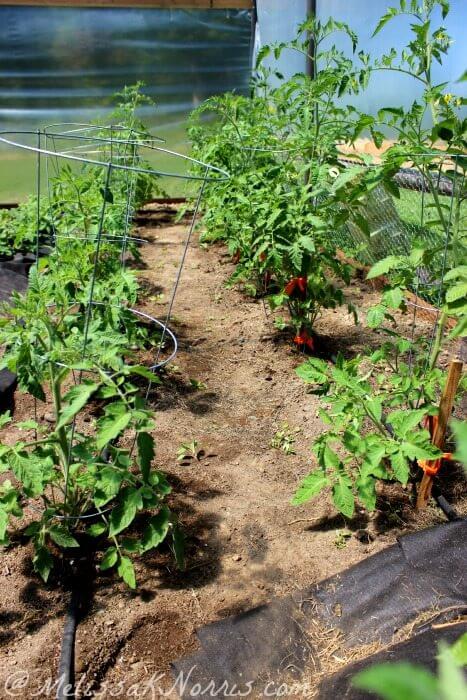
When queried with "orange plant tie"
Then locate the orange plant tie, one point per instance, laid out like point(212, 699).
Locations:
point(432, 466)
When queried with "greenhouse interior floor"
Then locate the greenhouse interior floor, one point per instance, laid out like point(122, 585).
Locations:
point(230, 388)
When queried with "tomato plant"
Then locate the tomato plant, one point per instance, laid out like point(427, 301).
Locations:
point(285, 199)
point(69, 340)
point(66, 469)
point(375, 420)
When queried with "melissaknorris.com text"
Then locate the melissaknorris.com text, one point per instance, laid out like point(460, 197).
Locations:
point(20, 684)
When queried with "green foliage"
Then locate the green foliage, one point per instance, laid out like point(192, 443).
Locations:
point(433, 125)
point(284, 439)
point(460, 432)
point(77, 357)
point(65, 467)
point(288, 190)
point(376, 406)
point(73, 204)
point(405, 681)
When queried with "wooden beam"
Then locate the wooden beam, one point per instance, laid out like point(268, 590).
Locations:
point(164, 4)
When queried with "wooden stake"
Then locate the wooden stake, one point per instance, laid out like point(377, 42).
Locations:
point(445, 409)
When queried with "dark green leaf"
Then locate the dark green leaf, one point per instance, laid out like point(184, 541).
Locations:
point(156, 530)
point(109, 559)
point(145, 454)
point(124, 514)
point(42, 561)
point(60, 535)
point(110, 427)
point(76, 398)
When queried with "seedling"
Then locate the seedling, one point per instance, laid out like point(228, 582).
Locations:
point(197, 385)
point(189, 452)
point(284, 439)
point(341, 539)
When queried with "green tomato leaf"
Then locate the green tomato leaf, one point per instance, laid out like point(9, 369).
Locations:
point(366, 490)
point(96, 529)
point(393, 297)
point(110, 427)
point(398, 681)
point(3, 527)
point(108, 485)
point(146, 373)
point(157, 529)
point(384, 266)
point(109, 559)
point(5, 418)
point(127, 571)
point(42, 561)
point(451, 678)
point(145, 443)
point(124, 514)
point(60, 535)
point(459, 429)
point(343, 497)
point(310, 487)
point(76, 398)
point(405, 421)
point(375, 316)
point(314, 371)
point(459, 650)
point(32, 471)
point(400, 467)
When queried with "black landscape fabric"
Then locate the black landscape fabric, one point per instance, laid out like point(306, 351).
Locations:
point(420, 650)
point(369, 602)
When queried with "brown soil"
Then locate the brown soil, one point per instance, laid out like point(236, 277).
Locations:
point(245, 542)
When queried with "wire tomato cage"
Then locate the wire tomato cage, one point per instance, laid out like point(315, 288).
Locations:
point(68, 156)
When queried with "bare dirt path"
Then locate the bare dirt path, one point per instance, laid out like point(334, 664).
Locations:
point(245, 542)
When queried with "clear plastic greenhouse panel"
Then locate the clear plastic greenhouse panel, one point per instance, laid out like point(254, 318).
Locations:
point(64, 64)
point(275, 24)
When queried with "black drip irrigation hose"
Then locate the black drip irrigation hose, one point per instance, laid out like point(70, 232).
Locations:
point(66, 667)
point(449, 511)
point(79, 574)
point(78, 578)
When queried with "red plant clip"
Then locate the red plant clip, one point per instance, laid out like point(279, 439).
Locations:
point(303, 339)
point(297, 287)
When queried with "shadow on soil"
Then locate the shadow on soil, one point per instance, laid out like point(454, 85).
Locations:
point(204, 546)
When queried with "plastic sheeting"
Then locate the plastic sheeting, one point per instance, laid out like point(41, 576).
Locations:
point(64, 65)
point(277, 23)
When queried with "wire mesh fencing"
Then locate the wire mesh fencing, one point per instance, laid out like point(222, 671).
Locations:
point(426, 207)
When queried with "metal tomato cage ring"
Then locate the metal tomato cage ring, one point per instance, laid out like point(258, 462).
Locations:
point(111, 148)
point(169, 334)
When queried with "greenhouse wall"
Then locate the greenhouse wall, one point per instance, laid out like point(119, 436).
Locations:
point(390, 88)
point(274, 25)
point(64, 65)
